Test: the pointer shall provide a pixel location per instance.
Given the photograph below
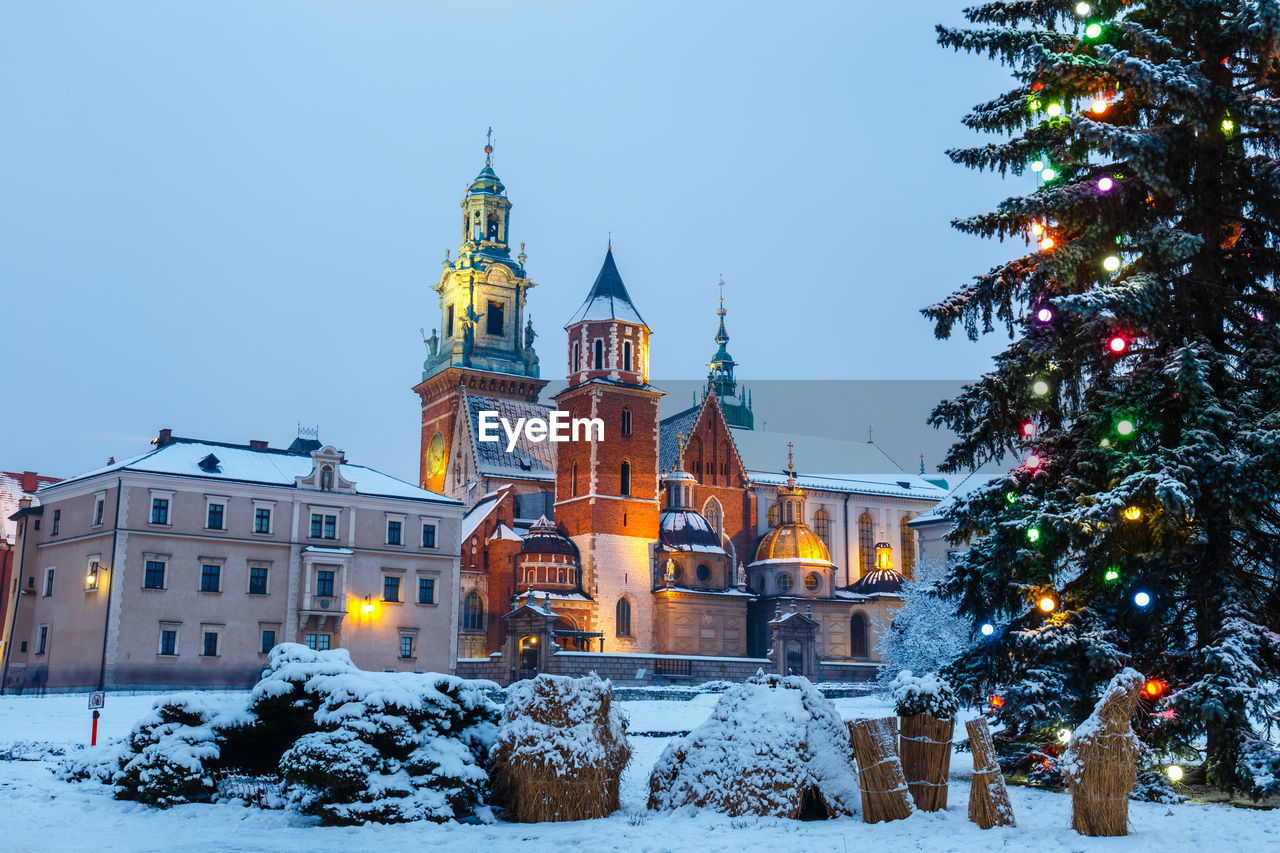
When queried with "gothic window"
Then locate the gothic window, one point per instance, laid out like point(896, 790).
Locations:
point(822, 527)
point(577, 358)
point(866, 545)
point(775, 514)
point(626, 420)
point(858, 644)
point(472, 612)
point(715, 517)
point(624, 479)
point(599, 359)
point(448, 322)
point(626, 355)
point(908, 550)
point(573, 479)
point(493, 318)
point(791, 512)
point(622, 618)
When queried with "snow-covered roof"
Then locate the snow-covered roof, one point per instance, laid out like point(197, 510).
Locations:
point(687, 530)
point(504, 532)
point(608, 299)
point(528, 460)
point(236, 463)
point(767, 452)
point(480, 511)
point(892, 485)
point(974, 480)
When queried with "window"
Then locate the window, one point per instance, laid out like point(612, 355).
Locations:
point(714, 516)
point(99, 507)
point(426, 590)
point(448, 322)
point(42, 640)
point(858, 636)
point(406, 645)
point(159, 510)
point(268, 640)
point(168, 642)
point(324, 583)
point(626, 355)
point(393, 532)
point(908, 538)
point(324, 526)
point(318, 642)
point(573, 479)
point(153, 578)
point(215, 517)
point(262, 519)
point(390, 588)
point(57, 521)
point(330, 527)
point(428, 535)
point(622, 618)
point(472, 612)
point(785, 582)
point(812, 581)
point(599, 360)
point(577, 358)
point(257, 580)
point(624, 479)
point(626, 420)
point(791, 512)
point(211, 578)
point(822, 527)
point(48, 582)
point(774, 514)
point(210, 647)
point(494, 317)
point(866, 545)
point(704, 572)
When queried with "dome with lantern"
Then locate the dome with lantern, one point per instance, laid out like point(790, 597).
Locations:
point(882, 579)
point(548, 560)
point(689, 553)
point(791, 558)
point(545, 538)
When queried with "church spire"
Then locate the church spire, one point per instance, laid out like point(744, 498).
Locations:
point(737, 411)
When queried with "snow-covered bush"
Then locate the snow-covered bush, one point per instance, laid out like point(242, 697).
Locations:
point(773, 745)
point(924, 634)
point(1259, 767)
point(926, 694)
point(560, 751)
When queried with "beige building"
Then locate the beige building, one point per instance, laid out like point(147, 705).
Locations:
point(185, 565)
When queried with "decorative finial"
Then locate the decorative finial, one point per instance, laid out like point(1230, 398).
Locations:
point(679, 450)
point(611, 241)
point(790, 455)
point(488, 148)
point(922, 463)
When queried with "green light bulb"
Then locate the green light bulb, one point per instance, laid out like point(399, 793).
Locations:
point(1093, 31)
point(1011, 497)
point(1033, 534)
point(1112, 573)
point(1228, 125)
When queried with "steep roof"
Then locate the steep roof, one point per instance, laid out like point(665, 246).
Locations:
point(767, 452)
point(528, 460)
point(608, 299)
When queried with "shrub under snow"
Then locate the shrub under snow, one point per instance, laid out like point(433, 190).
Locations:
point(926, 694)
point(773, 745)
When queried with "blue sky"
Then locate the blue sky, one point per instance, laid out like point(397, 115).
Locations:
point(226, 217)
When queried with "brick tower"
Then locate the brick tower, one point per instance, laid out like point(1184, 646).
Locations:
point(484, 343)
point(607, 491)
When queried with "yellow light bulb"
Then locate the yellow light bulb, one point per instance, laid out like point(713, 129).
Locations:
point(1133, 513)
point(1174, 773)
point(1099, 105)
point(1048, 605)
point(1111, 263)
point(1054, 110)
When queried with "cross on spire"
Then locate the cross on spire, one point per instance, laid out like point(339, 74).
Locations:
point(680, 450)
point(790, 449)
point(488, 148)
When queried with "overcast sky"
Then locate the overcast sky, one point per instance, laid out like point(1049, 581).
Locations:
point(226, 217)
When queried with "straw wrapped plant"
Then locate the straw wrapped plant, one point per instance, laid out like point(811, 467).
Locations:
point(560, 751)
point(773, 745)
point(927, 708)
point(883, 787)
point(1101, 760)
point(988, 798)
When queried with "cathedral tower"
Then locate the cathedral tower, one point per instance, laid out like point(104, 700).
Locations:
point(484, 342)
point(607, 491)
point(733, 401)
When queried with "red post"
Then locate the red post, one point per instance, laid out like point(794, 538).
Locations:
point(93, 740)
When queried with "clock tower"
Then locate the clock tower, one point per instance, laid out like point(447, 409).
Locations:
point(483, 344)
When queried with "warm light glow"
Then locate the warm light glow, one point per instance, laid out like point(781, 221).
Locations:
point(1033, 462)
point(92, 580)
point(1083, 9)
point(1174, 772)
point(1044, 315)
point(1064, 735)
point(1153, 687)
point(1105, 184)
point(1040, 388)
point(1228, 125)
point(987, 629)
point(1048, 174)
point(1093, 31)
point(1099, 105)
point(1011, 497)
point(1054, 110)
point(1036, 229)
point(1133, 513)
point(1117, 344)
point(884, 556)
point(1106, 442)
point(1047, 604)
point(1037, 165)
point(1141, 599)
point(367, 607)
point(996, 701)
point(1046, 243)
point(1035, 104)
point(1112, 574)
point(1125, 427)
point(1111, 263)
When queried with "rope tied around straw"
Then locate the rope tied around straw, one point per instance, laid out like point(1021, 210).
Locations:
point(988, 798)
point(925, 744)
point(1100, 764)
point(883, 787)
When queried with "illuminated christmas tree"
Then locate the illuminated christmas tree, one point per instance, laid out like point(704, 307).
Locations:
point(1141, 393)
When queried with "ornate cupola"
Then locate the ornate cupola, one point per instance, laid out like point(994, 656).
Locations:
point(689, 552)
point(736, 406)
point(608, 339)
point(791, 558)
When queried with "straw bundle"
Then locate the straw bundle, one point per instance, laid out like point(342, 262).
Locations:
point(988, 799)
point(926, 759)
point(884, 788)
point(560, 751)
point(1101, 761)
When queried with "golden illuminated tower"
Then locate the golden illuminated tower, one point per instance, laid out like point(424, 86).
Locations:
point(484, 343)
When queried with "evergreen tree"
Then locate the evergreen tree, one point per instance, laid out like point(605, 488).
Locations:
point(1141, 390)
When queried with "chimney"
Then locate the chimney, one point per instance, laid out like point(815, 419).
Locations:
point(257, 444)
point(165, 437)
point(30, 481)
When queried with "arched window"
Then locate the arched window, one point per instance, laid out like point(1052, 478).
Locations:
point(472, 612)
point(714, 515)
point(907, 536)
point(822, 527)
point(626, 355)
point(573, 479)
point(626, 418)
point(791, 512)
point(622, 618)
point(577, 358)
point(858, 636)
point(866, 545)
point(326, 479)
point(599, 354)
point(774, 514)
point(624, 479)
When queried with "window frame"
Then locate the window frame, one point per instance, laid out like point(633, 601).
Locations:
point(398, 521)
point(57, 522)
point(222, 503)
point(216, 565)
point(42, 639)
point(259, 507)
point(47, 586)
point(331, 581)
point(150, 560)
point(99, 508)
point(173, 628)
point(622, 618)
point(207, 631)
point(266, 578)
point(433, 598)
point(392, 582)
point(432, 542)
point(157, 496)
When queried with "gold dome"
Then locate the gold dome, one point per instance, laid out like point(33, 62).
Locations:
point(792, 542)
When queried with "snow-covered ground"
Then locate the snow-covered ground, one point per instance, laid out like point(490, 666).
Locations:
point(40, 813)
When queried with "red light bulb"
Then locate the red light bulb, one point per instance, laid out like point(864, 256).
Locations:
point(1028, 429)
point(1154, 687)
point(1118, 344)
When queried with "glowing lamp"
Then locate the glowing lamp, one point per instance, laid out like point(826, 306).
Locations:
point(1036, 229)
point(91, 581)
point(1093, 31)
point(1132, 513)
point(1054, 110)
point(1098, 106)
point(1153, 688)
point(1033, 534)
point(1141, 599)
point(1033, 462)
point(1035, 104)
point(1064, 735)
point(1174, 772)
point(1228, 125)
point(1111, 263)
point(1083, 9)
point(1118, 344)
point(1125, 427)
point(1028, 429)
point(367, 607)
point(1047, 604)
point(987, 629)
point(1011, 497)
point(1048, 174)
point(1040, 388)
point(1046, 243)
point(1037, 165)
point(1044, 315)
point(996, 701)
point(1105, 184)
point(1112, 574)
point(1106, 442)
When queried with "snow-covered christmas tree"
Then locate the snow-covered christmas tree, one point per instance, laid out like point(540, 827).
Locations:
point(1141, 392)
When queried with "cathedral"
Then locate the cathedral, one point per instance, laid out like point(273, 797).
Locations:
point(683, 534)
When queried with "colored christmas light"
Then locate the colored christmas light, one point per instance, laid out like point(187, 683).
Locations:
point(987, 629)
point(1106, 442)
point(1037, 165)
point(1036, 229)
point(1034, 104)
point(1118, 344)
point(1040, 387)
point(1044, 315)
point(1011, 497)
point(1064, 736)
point(1054, 110)
point(1099, 105)
point(1141, 599)
point(1028, 429)
point(1083, 9)
point(1046, 243)
point(1174, 772)
point(1105, 184)
point(1111, 263)
point(1154, 687)
point(1033, 534)
point(1047, 604)
point(1125, 427)
point(1093, 31)
point(1112, 574)
point(1132, 513)
point(1033, 462)
point(1228, 125)
point(1048, 174)
point(996, 701)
